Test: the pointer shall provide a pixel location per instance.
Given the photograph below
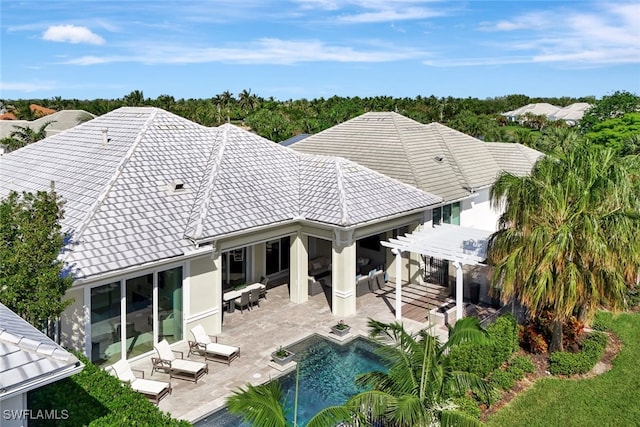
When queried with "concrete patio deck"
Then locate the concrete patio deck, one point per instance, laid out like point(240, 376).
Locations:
point(258, 333)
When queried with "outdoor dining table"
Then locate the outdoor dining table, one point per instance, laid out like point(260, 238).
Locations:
point(232, 295)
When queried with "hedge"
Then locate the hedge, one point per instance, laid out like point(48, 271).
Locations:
point(564, 363)
point(96, 398)
point(481, 359)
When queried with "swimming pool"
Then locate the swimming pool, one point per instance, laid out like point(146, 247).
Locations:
point(327, 374)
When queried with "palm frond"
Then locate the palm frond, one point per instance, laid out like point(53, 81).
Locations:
point(261, 406)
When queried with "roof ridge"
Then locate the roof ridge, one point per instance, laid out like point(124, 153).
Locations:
point(339, 163)
point(118, 171)
point(394, 117)
point(215, 163)
point(44, 349)
point(443, 142)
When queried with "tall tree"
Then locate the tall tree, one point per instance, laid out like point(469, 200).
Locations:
point(567, 240)
point(609, 107)
point(32, 282)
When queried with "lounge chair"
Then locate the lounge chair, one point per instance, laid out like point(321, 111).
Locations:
point(177, 368)
point(151, 389)
point(211, 350)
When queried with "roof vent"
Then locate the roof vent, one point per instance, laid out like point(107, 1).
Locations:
point(438, 159)
point(105, 136)
point(175, 186)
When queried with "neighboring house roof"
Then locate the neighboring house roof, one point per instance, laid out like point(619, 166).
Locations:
point(571, 113)
point(8, 116)
point(115, 174)
point(28, 358)
point(60, 121)
point(40, 111)
point(294, 139)
point(433, 157)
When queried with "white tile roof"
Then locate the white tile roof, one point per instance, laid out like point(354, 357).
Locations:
point(121, 212)
point(570, 113)
point(433, 157)
point(28, 358)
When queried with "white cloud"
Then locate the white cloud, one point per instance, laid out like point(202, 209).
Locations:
point(263, 51)
point(71, 34)
point(26, 87)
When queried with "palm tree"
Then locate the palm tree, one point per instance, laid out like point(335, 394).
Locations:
point(416, 389)
point(261, 406)
point(567, 240)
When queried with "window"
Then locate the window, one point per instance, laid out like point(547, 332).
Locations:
point(277, 255)
point(105, 317)
point(170, 305)
point(448, 214)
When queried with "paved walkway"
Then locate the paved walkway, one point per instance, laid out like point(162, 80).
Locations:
point(259, 332)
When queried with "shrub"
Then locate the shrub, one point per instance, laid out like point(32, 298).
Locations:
point(565, 363)
point(524, 363)
point(502, 380)
point(96, 398)
point(515, 371)
point(602, 321)
point(481, 359)
point(531, 340)
point(467, 405)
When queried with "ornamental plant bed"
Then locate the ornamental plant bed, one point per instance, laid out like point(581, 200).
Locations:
point(340, 329)
point(282, 356)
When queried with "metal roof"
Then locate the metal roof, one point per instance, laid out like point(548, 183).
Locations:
point(28, 358)
point(451, 242)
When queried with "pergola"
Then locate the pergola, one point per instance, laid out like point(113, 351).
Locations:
point(460, 245)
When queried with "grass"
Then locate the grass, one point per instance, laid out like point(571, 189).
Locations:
point(610, 399)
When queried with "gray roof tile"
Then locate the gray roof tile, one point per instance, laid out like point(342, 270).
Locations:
point(433, 157)
point(121, 213)
point(27, 355)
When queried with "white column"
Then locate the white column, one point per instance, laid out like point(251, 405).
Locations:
point(343, 274)
point(459, 289)
point(299, 268)
point(398, 254)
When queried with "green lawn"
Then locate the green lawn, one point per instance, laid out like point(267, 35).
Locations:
point(611, 399)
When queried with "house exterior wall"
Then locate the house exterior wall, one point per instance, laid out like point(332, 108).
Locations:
point(11, 408)
point(205, 293)
point(73, 319)
point(477, 213)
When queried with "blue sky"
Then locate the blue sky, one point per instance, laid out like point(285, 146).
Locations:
point(318, 48)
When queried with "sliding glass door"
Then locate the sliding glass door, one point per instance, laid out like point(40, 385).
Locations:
point(151, 306)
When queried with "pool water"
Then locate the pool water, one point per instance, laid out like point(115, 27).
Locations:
point(327, 372)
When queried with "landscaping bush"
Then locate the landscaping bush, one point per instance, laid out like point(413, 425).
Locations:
point(95, 398)
point(467, 405)
point(602, 321)
point(523, 363)
point(502, 380)
point(565, 363)
point(481, 359)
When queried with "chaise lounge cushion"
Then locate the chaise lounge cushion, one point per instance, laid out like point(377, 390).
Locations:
point(165, 353)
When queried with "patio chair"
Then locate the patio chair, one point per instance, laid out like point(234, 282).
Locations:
point(265, 281)
point(211, 349)
point(254, 298)
point(242, 301)
point(151, 389)
point(177, 368)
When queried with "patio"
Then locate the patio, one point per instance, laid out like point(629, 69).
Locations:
point(258, 332)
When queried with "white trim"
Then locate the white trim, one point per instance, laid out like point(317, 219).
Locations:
point(344, 294)
point(203, 314)
point(88, 333)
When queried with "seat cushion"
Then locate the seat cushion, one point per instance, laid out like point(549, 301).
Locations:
point(149, 386)
point(187, 365)
point(222, 349)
